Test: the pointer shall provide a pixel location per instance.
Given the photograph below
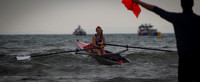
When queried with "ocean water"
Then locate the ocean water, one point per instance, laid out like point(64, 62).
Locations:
point(145, 65)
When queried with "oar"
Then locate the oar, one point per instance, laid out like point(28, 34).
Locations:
point(27, 57)
point(141, 47)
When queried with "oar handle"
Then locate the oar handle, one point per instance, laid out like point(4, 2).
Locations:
point(117, 45)
point(140, 47)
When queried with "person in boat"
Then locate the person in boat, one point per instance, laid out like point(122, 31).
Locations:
point(98, 41)
point(186, 27)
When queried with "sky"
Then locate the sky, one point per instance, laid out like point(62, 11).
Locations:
point(64, 16)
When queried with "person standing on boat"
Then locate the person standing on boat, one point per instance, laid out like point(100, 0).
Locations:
point(186, 27)
point(98, 41)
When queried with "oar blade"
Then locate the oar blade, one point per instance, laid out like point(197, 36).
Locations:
point(23, 57)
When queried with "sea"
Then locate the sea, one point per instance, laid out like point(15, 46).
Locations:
point(145, 65)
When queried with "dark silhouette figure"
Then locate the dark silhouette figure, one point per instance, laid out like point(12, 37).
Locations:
point(186, 27)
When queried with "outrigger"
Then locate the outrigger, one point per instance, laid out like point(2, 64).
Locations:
point(107, 59)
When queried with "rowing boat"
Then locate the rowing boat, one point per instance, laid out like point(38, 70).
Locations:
point(108, 59)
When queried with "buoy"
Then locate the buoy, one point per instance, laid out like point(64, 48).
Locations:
point(159, 35)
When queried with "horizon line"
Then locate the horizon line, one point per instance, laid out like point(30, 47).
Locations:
point(72, 34)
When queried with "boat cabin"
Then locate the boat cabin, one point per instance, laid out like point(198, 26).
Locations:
point(79, 31)
point(147, 30)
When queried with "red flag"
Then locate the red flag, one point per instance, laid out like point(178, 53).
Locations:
point(132, 6)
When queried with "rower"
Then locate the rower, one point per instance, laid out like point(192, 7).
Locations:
point(98, 41)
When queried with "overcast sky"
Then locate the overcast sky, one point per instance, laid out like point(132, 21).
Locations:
point(63, 16)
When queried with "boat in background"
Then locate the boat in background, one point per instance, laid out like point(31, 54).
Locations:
point(79, 31)
point(147, 30)
point(107, 59)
